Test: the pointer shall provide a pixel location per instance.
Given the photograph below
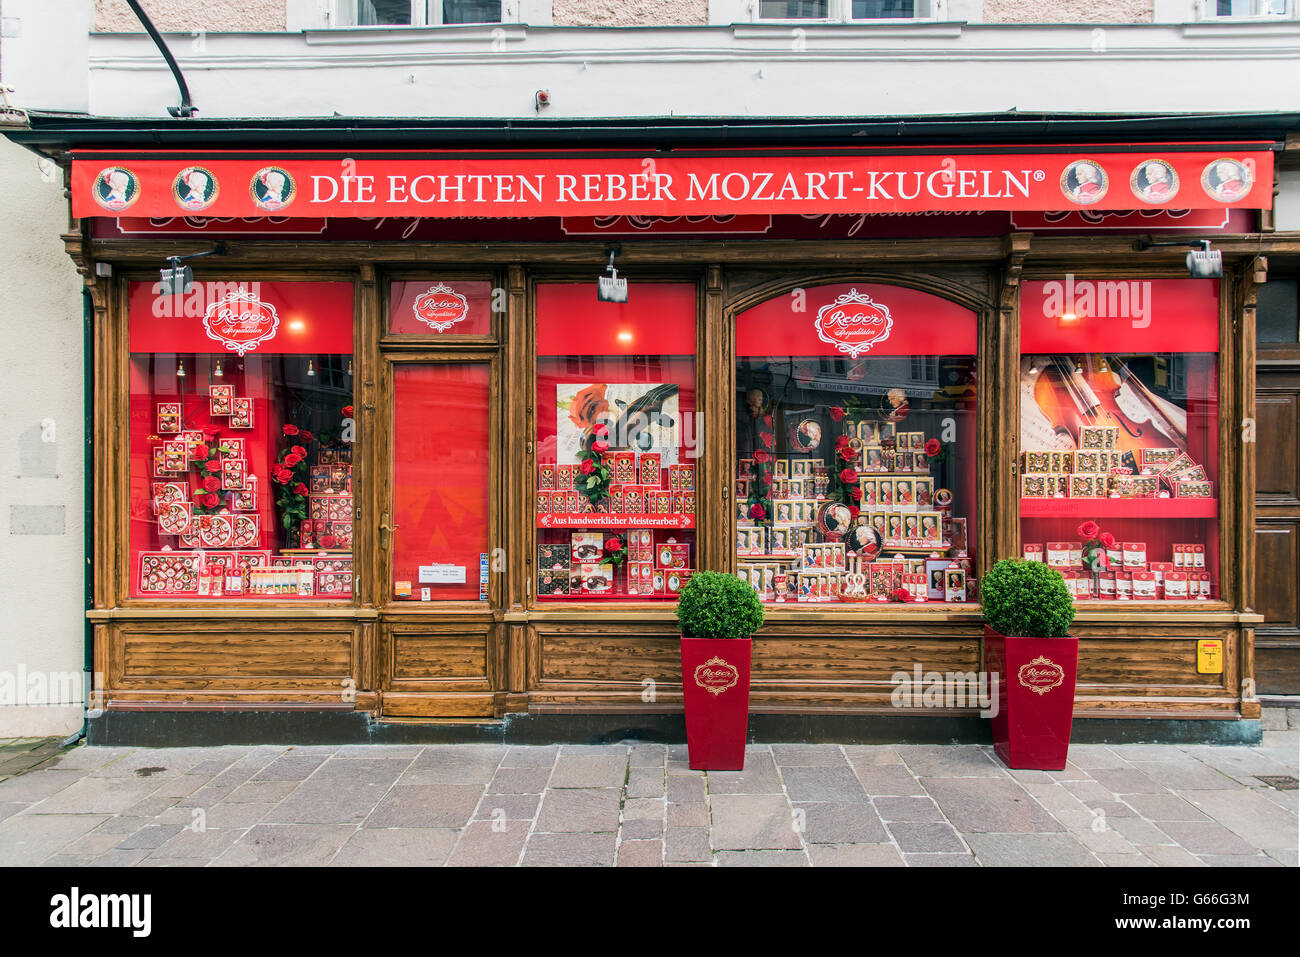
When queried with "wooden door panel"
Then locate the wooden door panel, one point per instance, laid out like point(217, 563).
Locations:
point(1277, 464)
point(1277, 569)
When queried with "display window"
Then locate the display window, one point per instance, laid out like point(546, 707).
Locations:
point(1119, 436)
point(855, 447)
point(441, 481)
point(441, 306)
point(241, 438)
point(617, 442)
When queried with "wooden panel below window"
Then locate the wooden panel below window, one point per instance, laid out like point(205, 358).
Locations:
point(1277, 570)
point(437, 657)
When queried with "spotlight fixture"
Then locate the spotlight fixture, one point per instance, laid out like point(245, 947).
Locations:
point(176, 278)
point(1202, 262)
point(217, 373)
point(311, 369)
point(349, 366)
point(611, 288)
point(180, 368)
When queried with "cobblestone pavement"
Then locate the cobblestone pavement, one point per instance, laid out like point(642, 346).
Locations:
point(640, 805)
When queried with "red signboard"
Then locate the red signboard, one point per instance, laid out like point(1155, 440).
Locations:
point(1070, 315)
point(163, 184)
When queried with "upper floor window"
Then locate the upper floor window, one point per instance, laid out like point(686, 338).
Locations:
point(418, 13)
point(847, 10)
point(1248, 8)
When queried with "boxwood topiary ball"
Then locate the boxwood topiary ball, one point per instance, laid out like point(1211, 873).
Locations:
point(1023, 599)
point(716, 605)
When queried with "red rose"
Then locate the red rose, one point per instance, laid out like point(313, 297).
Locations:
point(760, 456)
point(1108, 540)
point(328, 541)
point(849, 477)
point(600, 447)
point(298, 450)
point(612, 544)
point(932, 447)
point(836, 413)
point(292, 459)
point(304, 435)
point(600, 429)
point(767, 420)
point(854, 510)
point(290, 430)
point(855, 493)
point(300, 489)
point(900, 595)
point(200, 452)
point(282, 477)
point(767, 438)
point(841, 441)
point(757, 512)
point(213, 466)
point(587, 467)
point(847, 454)
point(211, 483)
point(209, 499)
point(1089, 529)
point(347, 412)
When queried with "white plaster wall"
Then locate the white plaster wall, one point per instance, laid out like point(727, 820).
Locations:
point(183, 16)
point(42, 593)
point(1068, 11)
point(629, 13)
point(1287, 206)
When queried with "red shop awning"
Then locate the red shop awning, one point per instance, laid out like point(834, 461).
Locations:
point(1159, 176)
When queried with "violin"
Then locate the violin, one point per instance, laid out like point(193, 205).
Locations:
point(1104, 391)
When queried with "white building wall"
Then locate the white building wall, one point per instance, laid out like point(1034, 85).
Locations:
point(42, 566)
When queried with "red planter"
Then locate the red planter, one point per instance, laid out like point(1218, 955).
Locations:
point(715, 688)
point(1036, 678)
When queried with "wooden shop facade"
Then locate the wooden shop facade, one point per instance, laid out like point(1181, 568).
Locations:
point(384, 452)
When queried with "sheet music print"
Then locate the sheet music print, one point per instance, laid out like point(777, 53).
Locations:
point(1131, 405)
point(1036, 430)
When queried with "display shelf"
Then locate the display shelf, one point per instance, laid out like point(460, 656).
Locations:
point(1144, 508)
point(604, 520)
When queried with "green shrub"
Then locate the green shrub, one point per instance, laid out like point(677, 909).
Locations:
point(715, 605)
point(1026, 600)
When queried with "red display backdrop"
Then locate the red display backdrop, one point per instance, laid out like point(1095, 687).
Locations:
point(658, 319)
point(292, 185)
point(1070, 315)
point(864, 318)
point(435, 307)
point(441, 477)
point(292, 318)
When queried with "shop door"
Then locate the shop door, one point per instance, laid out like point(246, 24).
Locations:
point(1277, 488)
point(437, 528)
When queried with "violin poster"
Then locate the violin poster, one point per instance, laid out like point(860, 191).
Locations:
point(1143, 397)
point(640, 417)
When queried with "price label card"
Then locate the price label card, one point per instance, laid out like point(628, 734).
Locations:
point(442, 574)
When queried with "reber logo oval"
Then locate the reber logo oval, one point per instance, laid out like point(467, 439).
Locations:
point(441, 307)
point(853, 323)
point(240, 321)
point(1041, 675)
point(716, 676)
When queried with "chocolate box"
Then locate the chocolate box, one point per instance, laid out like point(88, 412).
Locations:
point(586, 547)
point(232, 474)
point(672, 554)
point(544, 501)
point(219, 399)
point(546, 477)
point(553, 581)
point(649, 469)
point(169, 418)
point(169, 572)
point(241, 413)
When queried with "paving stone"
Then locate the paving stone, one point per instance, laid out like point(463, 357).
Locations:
point(123, 825)
point(694, 814)
point(1110, 809)
point(907, 809)
point(649, 756)
point(261, 792)
point(1206, 837)
point(854, 855)
point(570, 850)
point(888, 779)
point(8, 810)
point(397, 847)
point(1287, 857)
point(579, 809)
point(93, 844)
point(648, 782)
point(928, 838)
point(1170, 855)
point(1250, 815)
point(530, 757)
point(752, 821)
point(371, 751)
point(37, 785)
point(1126, 781)
point(1030, 850)
point(97, 796)
point(862, 754)
point(118, 858)
point(1293, 717)
point(1184, 776)
point(834, 823)
point(808, 755)
point(1092, 791)
point(448, 764)
point(150, 836)
point(1242, 764)
point(66, 860)
point(291, 767)
point(643, 809)
point(940, 860)
point(1273, 719)
point(1057, 798)
point(235, 815)
point(685, 790)
point(426, 805)
point(761, 859)
point(1137, 830)
point(181, 786)
point(823, 784)
point(383, 771)
point(1238, 860)
point(203, 846)
point(642, 830)
point(90, 758)
point(286, 845)
point(980, 805)
point(589, 771)
point(519, 781)
point(1103, 839)
point(758, 777)
point(687, 844)
point(942, 761)
point(641, 854)
point(233, 777)
point(1124, 860)
point(490, 844)
point(326, 802)
point(514, 807)
point(1163, 807)
point(1090, 756)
